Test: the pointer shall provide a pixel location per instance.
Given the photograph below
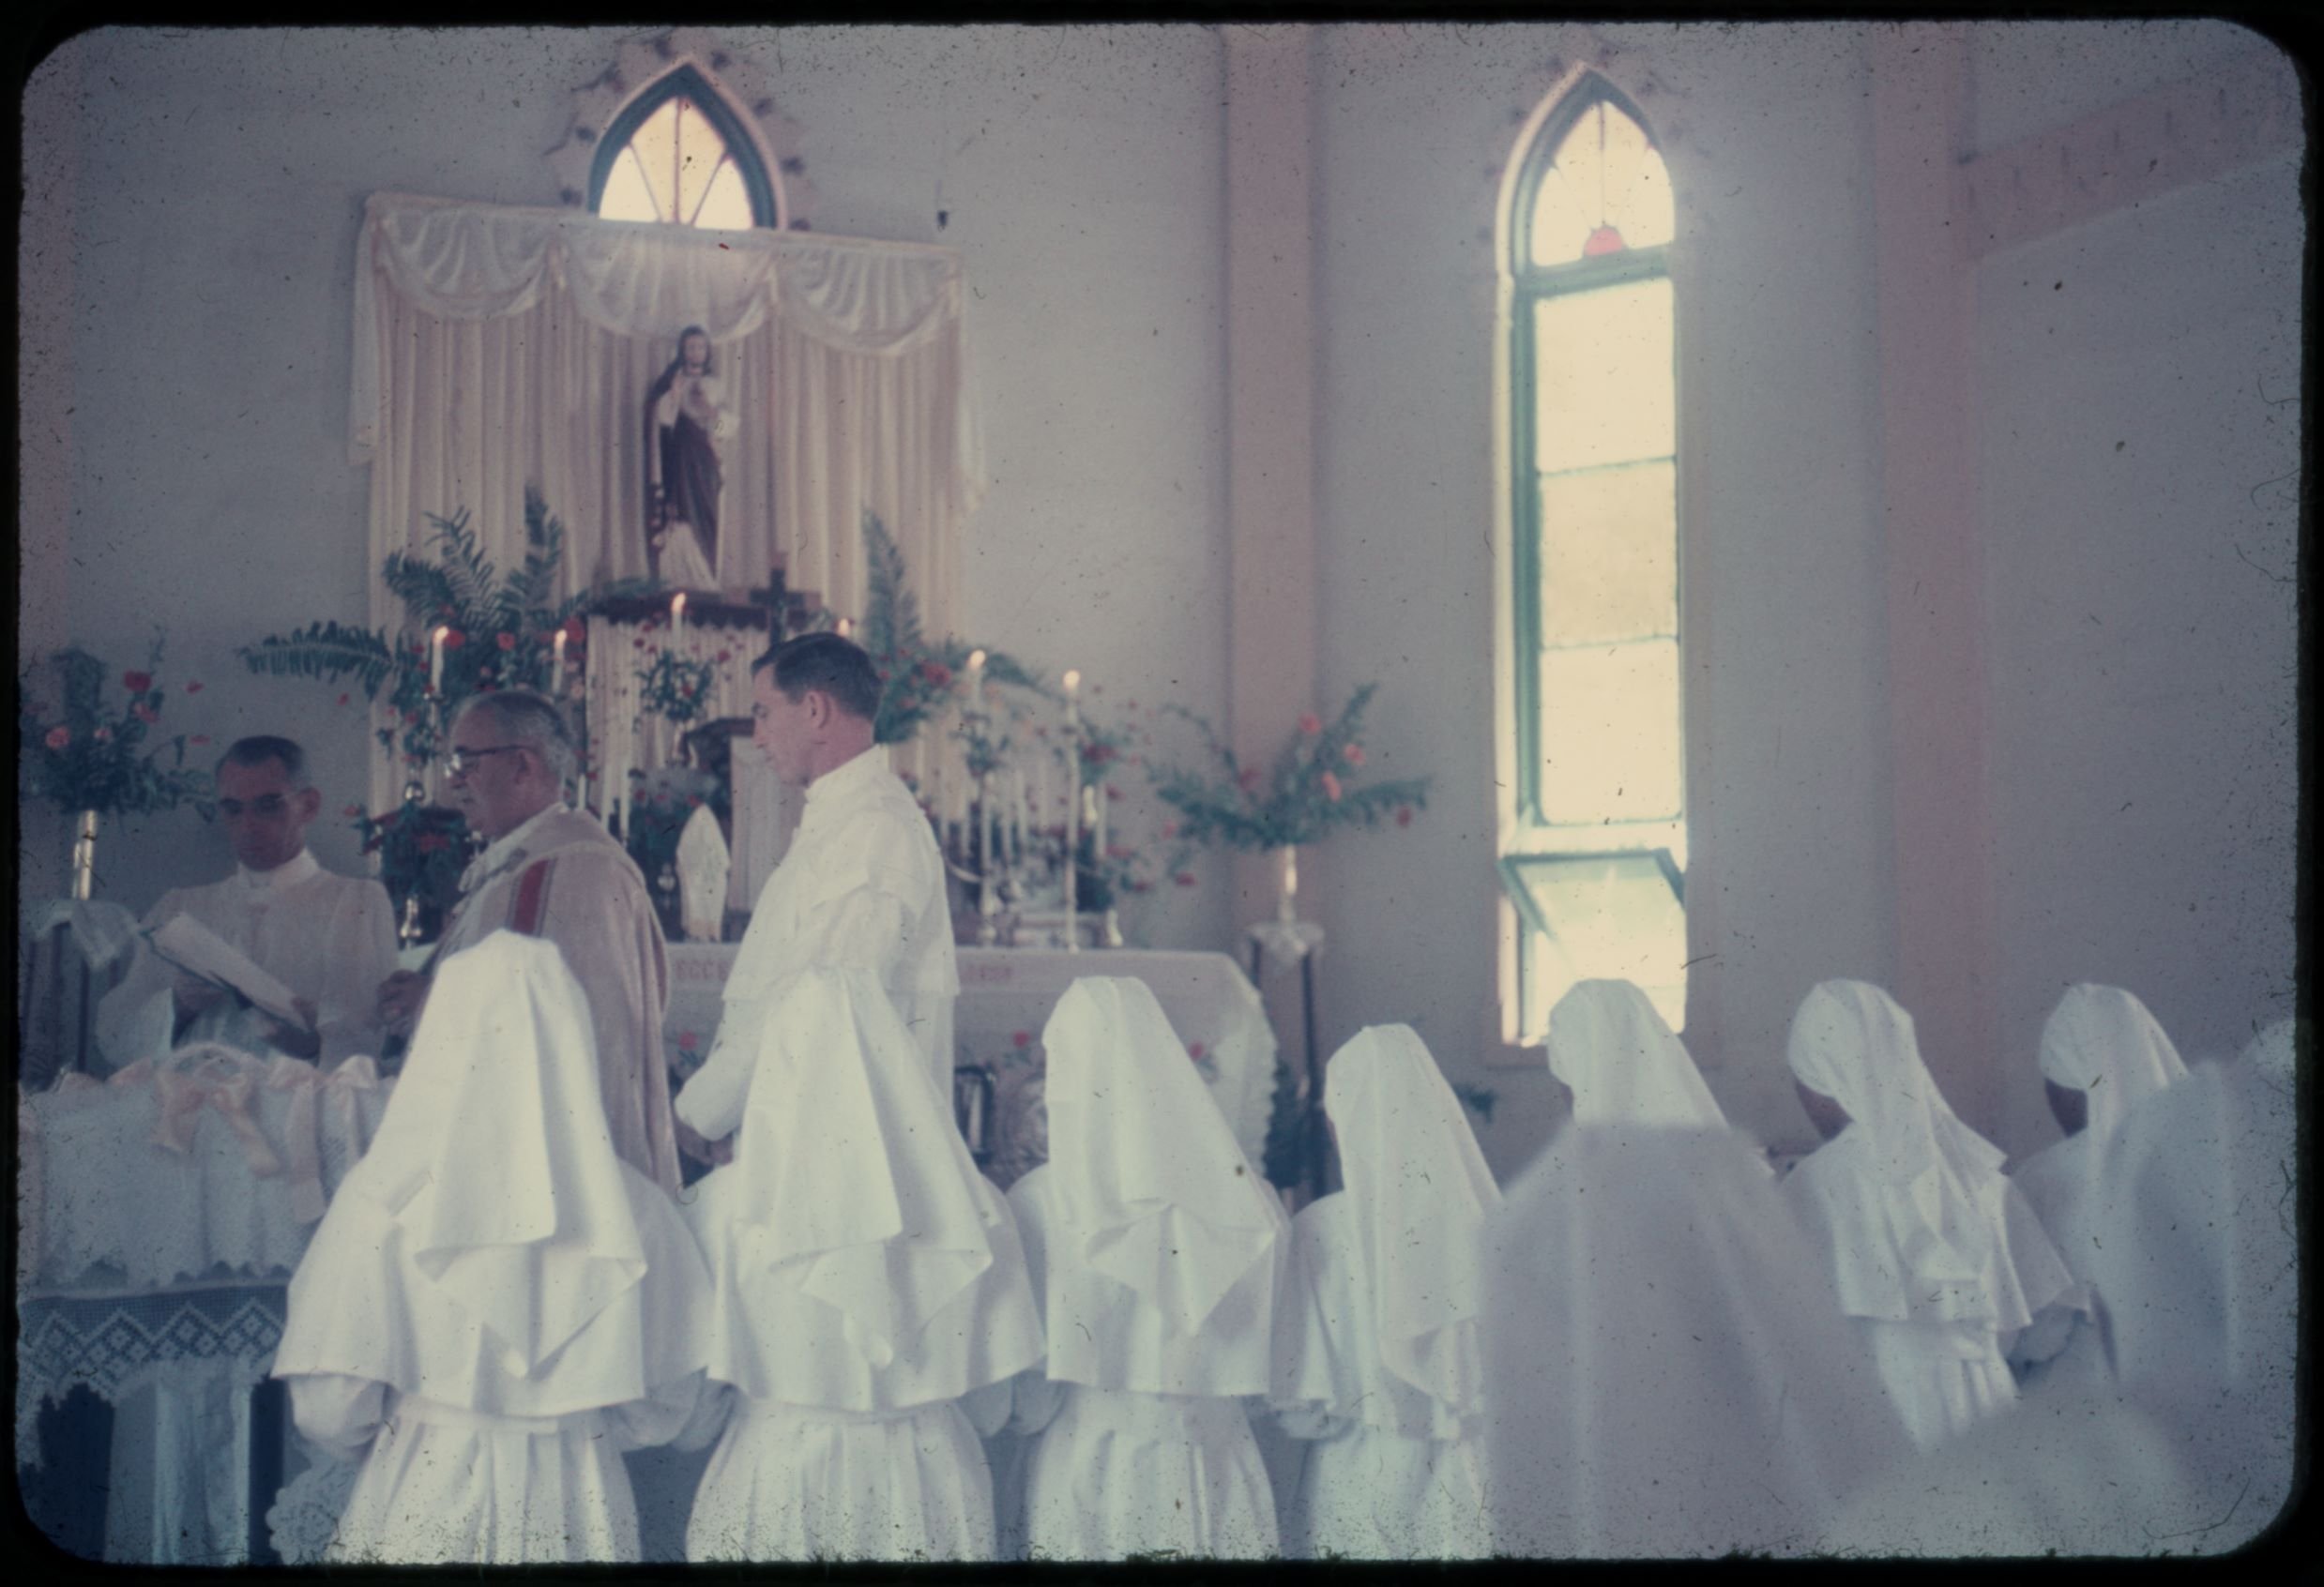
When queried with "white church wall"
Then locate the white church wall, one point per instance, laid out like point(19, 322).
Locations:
point(1790, 803)
point(2137, 380)
point(220, 184)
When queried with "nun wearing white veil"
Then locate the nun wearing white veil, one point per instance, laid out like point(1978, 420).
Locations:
point(870, 1284)
point(1936, 1257)
point(2103, 1055)
point(1376, 1335)
point(495, 1304)
point(1670, 1374)
point(1157, 1250)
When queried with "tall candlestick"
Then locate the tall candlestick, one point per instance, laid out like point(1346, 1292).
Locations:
point(975, 680)
point(436, 660)
point(557, 665)
point(677, 617)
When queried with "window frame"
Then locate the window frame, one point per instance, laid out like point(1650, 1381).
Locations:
point(1525, 832)
point(682, 81)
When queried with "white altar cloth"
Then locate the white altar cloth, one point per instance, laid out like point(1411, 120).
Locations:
point(1004, 999)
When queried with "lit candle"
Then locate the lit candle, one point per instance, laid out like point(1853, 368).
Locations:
point(557, 667)
point(677, 617)
point(436, 660)
point(976, 679)
point(844, 627)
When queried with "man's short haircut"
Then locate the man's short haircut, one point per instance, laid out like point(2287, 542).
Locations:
point(527, 716)
point(838, 666)
point(257, 750)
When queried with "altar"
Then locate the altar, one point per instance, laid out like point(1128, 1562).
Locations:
point(1006, 998)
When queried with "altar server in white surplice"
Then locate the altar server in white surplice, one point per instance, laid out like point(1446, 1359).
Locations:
point(1375, 1334)
point(1936, 1257)
point(872, 1306)
point(330, 939)
point(1157, 1250)
point(2103, 1055)
point(1668, 1373)
point(861, 885)
point(495, 1305)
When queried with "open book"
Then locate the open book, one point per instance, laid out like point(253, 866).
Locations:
point(199, 951)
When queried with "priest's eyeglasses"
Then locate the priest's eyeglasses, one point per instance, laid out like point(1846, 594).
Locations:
point(462, 761)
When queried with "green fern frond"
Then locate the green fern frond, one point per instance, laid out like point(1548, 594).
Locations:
point(329, 650)
point(423, 588)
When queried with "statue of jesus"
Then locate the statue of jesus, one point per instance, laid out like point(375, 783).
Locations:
point(686, 416)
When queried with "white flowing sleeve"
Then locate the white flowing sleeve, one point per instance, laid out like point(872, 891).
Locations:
point(663, 1416)
point(710, 1104)
point(337, 1414)
point(362, 955)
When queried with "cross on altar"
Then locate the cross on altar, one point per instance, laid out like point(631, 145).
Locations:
point(789, 611)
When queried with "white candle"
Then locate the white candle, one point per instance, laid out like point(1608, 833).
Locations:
point(436, 660)
point(975, 680)
point(557, 667)
point(844, 627)
point(677, 617)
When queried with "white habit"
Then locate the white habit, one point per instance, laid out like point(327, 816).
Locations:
point(1935, 1255)
point(562, 877)
point(330, 939)
point(1157, 1250)
point(861, 886)
point(1625, 1068)
point(2102, 1042)
point(1668, 1371)
point(873, 1301)
point(495, 1305)
point(1376, 1335)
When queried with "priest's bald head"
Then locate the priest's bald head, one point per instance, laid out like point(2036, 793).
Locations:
point(812, 702)
point(512, 757)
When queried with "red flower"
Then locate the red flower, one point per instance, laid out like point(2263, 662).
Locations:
point(1403, 815)
point(937, 673)
point(576, 630)
point(1023, 1038)
point(144, 713)
point(1195, 1049)
point(199, 738)
point(1331, 787)
point(454, 639)
point(104, 736)
point(342, 699)
point(1353, 754)
point(58, 737)
point(1250, 779)
point(137, 683)
point(194, 688)
point(1310, 723)
point(725, 656)
point(1111, 792)
point(1184, 879)
point(686, 1040)
point(506, 642)
point(431, 842)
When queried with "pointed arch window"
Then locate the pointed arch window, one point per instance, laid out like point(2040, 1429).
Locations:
point(678, 154)
point(1593, 848)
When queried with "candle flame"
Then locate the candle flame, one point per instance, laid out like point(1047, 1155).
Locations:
point(678, 606)
point(976, 660)
point(843, 627)
point(1072, 683)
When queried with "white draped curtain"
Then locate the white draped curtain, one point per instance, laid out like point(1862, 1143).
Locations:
point(496, 347)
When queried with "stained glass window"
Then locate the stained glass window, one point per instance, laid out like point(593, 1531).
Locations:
point(1594, 860)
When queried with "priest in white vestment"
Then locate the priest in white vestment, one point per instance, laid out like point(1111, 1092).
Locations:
point(2190, 1448)
point(1936, 1257)
point(862, 884)
point(495, 1305)
point(1157, 1251)
point(555, 872)
point(2103, 1055)
point(871, 1299)
point(1376, 1333)
point(1668, 1371)
point(330, 939)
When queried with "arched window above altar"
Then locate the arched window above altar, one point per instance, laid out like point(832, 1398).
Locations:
point(678, 154)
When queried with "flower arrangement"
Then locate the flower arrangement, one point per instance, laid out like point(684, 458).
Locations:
point(423, 849)
point(498, 632)
point(1102, 881)
point(1305, 797)
point(93, 757)
point(919, 677)
point(674, 688)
